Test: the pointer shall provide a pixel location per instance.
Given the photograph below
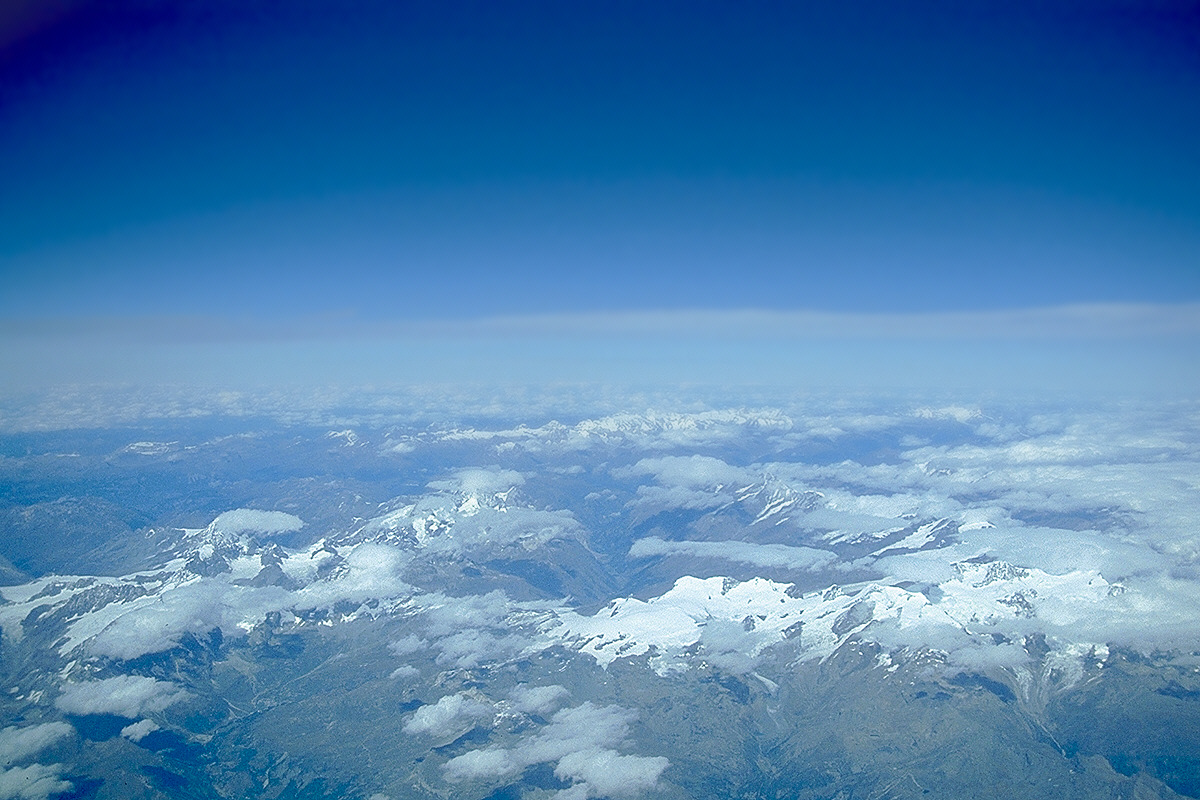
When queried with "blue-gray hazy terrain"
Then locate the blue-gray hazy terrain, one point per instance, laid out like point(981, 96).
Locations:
point(579, 592)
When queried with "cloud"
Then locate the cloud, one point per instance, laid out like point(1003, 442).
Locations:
point(35, 782)
point(250, 520)
point(759, 555)
point(479, 629)
point(583, 741)
point(472, 647)
point(479, 481)
point(371, 571)
point(691, 482)
point(156, 622)
point(130, 630)
point(124, 695)
point(18, 744)
point(608, 773)
point(447, 715)
point(139, 730)
point(492, 528)
point(537, 699)
point(650, 430)
point(691, 472)
point(482, 764)
point(407, 646)
point(729, 646)
point(984, 658)
point(1099, 321)
point(472, 510)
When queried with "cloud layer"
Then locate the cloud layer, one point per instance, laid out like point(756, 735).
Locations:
point(123, 695)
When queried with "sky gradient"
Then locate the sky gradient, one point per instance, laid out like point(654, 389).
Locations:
point(467, 160)
point(204, 166)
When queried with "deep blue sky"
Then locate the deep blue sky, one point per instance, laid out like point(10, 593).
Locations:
point(456, 160)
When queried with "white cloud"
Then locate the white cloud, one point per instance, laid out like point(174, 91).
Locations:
point(962, 414)
point(608, 773)
point(139, 730)
point(479, 481)
point(448, 715)
point(984, 658)
point(473, 647)
point(124, 695)
point(407, 646)
point(482, 764)
point(693, 472)
point(371, 571)
point(759, 555)
point(691, 482)
point(156, 622)
point(477, 629)
point(35, 782)
point(537, 699)
point(153, 624)
point(18, 744)
point(582, 741)
point(251, 520)
point(651, 430)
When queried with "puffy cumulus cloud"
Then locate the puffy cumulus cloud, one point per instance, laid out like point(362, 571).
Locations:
point(139, 730)
point(251, 520)
point(124, 695)
point(491, 528)
point(446, 615)
point(1080, 586)
point(35, 782)
point(477, 629)
point(483, 765)
point(686, 482)
point(662, 430)
point(371, 571)
point(18, 744)
point(1152, 613)
point(652, 499)
point(868, 511)
point(407, 645)
point(728, 645)
point(536, 699)
point(154, 624)
point(404, 647)
point(479, 481)
point(607, 773)
point(1108, 487)
point(651, 430)
point(480, 629)
point(693, 472)
point(448, 715)
point(472, 647)
point(582, 741)
point(983, 658)
point(962, 414)
point(583, 727)
point(923, 567)
point(831, 426)
point(157, 622)
point(1060, 551)
point(759, 555)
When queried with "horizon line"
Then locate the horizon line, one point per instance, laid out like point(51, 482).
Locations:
point(1073, 321)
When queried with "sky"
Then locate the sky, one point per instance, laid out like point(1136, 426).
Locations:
point(309, 164)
